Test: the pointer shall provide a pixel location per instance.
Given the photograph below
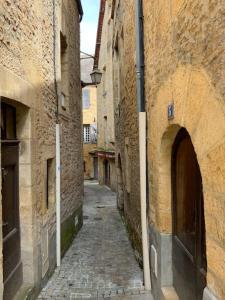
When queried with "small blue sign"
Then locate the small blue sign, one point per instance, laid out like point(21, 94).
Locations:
point(170, 111)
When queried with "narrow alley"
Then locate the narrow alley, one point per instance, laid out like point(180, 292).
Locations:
point(100, 263)
point(112, 149)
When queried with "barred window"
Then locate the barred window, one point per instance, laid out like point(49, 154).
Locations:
point(86, 133)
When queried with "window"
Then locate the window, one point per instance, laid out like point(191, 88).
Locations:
point(86, 99)
point(8, 122)
point(64, 97)
point(50, 181)
point(86, 133)
point(63, 101)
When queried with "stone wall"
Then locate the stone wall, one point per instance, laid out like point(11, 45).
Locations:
point(90, 118)
point(105, 111)
point(71, 119)
point(27, 82)
point(184, 66)
point(126, 117)
point(89, 160)
point(90, 114)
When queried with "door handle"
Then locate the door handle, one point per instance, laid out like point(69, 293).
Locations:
point(5, 224)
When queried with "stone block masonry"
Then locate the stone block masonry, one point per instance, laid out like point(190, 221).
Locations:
point(184, 66)
point(28, 66)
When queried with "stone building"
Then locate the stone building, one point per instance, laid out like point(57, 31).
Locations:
point(39, 87)
point(105, 107)
point(90, 132)
point(184, 101)
point(126, 118)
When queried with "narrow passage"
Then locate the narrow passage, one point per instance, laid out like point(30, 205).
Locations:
point(100, 264)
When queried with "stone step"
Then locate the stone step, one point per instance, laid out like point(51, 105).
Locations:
point(169, 293)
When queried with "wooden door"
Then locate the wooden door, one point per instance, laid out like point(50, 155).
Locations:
point(12, 266)
point(107, 172)
point(189, 250)
point(95, 168)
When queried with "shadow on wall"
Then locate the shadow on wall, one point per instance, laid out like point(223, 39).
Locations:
point(31, 208)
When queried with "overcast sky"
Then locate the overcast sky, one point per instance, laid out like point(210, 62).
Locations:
point(89, 25)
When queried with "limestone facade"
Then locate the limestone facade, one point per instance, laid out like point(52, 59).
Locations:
point(32, 75)
point(90, 121)
point(126, 118)
point(105, 107)
point(184, 68)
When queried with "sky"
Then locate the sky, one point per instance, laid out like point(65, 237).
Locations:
point(89, 25)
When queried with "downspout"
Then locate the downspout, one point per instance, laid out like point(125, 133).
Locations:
point(80, 9)
point(142, 139)
point(57, 143)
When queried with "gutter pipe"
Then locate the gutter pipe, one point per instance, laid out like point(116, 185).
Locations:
point(80, 9)
point(142, 139)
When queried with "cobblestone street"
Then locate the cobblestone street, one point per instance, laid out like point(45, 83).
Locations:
point(100, 264)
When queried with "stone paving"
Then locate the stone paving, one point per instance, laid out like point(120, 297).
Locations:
point(100, 263)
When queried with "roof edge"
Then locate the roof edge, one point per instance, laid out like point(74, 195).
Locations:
point(99, 32)
point(80, 9)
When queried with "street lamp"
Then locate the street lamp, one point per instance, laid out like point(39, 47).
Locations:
point(96, 76)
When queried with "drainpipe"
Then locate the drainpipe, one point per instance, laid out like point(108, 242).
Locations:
point(142, 139)
point(58, 198)
point(57, 133)
point(80, 9)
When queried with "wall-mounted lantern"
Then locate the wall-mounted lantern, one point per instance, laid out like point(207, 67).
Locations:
point(96, 76)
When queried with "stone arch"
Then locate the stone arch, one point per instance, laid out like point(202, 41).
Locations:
point(164, 171)
point(106, 172)
point(199, 108)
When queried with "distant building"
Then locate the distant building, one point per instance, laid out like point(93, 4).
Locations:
point(106, 130)
point(90, 159)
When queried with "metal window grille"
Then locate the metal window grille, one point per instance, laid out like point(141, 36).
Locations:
point(86, 133)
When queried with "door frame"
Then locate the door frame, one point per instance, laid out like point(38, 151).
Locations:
point(26, 197)
point(14, 279)
point(11, 247)
point(199, 207)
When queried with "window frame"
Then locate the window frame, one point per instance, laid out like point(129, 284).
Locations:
point(86, 133)
point(86, 99)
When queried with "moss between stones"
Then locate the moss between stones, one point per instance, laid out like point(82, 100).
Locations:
point(69, 230)
point(134, 238)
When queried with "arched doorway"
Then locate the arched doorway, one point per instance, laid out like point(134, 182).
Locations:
point(107, 173)
point(189, 248)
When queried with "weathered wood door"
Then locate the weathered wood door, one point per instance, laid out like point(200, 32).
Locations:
point(189, 250)
point(12, 266)
point(107, 172)
point(95, 162)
